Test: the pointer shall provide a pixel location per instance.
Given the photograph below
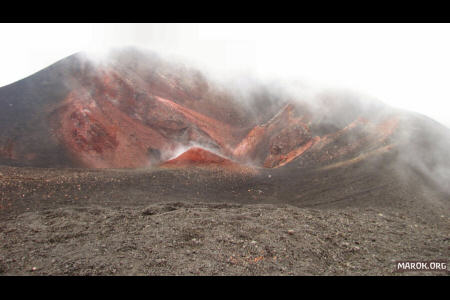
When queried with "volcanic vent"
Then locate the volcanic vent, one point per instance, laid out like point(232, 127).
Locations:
point(197, 156)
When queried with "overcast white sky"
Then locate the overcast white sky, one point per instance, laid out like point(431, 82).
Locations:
point(405, 65)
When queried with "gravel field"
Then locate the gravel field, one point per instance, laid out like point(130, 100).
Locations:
point(343, 221)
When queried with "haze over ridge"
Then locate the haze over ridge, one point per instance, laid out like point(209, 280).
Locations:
point(401, 64)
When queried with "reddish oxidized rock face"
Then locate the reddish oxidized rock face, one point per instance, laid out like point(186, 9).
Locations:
point(130, 115)
point(198, 157)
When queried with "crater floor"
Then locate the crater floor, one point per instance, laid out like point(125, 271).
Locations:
point(339, 221)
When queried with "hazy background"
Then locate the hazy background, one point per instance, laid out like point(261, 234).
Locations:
point(405, 65)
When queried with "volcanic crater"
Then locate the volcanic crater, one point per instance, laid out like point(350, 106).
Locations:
point(135, 142)
point(137, 112)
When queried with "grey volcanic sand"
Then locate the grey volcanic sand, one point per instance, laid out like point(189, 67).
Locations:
point(208, 239)
point(351, 220)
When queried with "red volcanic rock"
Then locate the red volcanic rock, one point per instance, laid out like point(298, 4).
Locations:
point(278, 140)
point(386, 128)
point(248, 146)
point(257, 138)
point(136, 110)
point(199, 157)
point(219, 132)
point(274, 160)
point(109, 125)
point(358, 137)
point(99, 135)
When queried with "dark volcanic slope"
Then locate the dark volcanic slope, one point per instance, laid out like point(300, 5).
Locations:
point(25, 131)
point(135, 109)
point(132, 111)
point(353, 219)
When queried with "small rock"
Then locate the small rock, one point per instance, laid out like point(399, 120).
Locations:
point(149, 211)
point(290, 231)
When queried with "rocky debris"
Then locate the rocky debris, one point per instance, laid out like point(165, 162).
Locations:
point(205, 239)
point(351, 219)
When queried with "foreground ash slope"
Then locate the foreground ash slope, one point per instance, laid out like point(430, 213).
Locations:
point(217, 239)
point(135, 109)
